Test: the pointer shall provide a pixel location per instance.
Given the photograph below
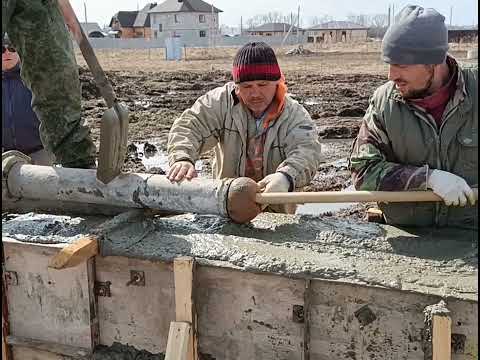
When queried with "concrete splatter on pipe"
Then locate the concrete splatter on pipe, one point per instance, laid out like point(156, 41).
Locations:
point(234, 198)
point(127, 190)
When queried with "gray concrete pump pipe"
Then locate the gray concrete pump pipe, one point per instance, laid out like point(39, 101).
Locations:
point(22, 180)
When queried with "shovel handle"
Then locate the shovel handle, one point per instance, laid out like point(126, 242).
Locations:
point(349, 196)
point(81, 39)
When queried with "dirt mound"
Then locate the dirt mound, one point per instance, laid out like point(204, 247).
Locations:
point(89, 89)
point(299, 50)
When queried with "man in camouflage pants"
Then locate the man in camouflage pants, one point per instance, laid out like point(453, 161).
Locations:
point(421, 129)
point(38, 31)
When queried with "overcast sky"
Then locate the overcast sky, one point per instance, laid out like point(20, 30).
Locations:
point(464, 11)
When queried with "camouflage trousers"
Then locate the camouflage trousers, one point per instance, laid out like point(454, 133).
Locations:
point(37, 30)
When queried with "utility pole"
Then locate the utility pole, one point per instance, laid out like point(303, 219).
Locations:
point(85, 11)
point(451, 13)
point(393, 13)
point(298, 25)
point(389, 14)
point(241, 25)
point(212, 35)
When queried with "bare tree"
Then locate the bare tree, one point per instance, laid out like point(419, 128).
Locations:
point(360, 19)
point(378, 25)
point(379, 20)
point(317, 20)
point(255, 21)
point(272, 17)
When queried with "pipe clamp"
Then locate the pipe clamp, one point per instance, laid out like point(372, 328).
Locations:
point(9, 159)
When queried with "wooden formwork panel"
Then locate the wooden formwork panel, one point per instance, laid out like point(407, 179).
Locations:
point(246, 316)
point(359, 322)
point(47, 304)
point(241, 315)
point(136, 315)
point(24, 353)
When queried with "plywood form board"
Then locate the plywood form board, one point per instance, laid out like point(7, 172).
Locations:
point(136, 315)
point(47, 304)
point(244, 316)
point(464, 315)
point(366, 323)
point(25, 353)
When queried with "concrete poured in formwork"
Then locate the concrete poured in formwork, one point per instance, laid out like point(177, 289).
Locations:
point(281, 287)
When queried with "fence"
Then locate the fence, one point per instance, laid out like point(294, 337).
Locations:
point(219, 41)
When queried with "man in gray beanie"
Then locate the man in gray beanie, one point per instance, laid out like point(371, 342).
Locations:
point(420, 131)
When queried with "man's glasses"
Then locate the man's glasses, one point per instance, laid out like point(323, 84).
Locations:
point(9, 48)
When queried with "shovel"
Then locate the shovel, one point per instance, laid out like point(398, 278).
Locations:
point(114, 126)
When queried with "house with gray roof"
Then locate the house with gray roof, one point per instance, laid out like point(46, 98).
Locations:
point(193, 21)
point(274, 29)
point(92, 29)
point(132, 24)
point(461, 34)
point(337, 31)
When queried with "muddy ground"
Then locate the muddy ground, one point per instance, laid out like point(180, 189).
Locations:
point(155, 99)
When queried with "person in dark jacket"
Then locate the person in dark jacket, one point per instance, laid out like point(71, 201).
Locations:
point(20, 125)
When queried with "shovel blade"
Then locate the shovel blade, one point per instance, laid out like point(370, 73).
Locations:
point(113, 142)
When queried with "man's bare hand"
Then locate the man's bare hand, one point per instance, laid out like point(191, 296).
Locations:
point(181, 170)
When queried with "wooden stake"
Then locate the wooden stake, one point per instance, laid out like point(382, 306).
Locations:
point(178, 339)
point(441, 337)
point(76, 253)
point(183, 268)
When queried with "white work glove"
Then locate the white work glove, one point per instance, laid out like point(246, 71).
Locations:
point(276, 182)
point(451, 188)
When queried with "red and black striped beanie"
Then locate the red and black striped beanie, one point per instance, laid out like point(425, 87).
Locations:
point(255, 61)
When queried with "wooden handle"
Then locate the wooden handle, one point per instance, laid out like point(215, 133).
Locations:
point(348, 197)
point(99, 76)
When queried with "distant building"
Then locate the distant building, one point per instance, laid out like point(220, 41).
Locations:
point(274, 29)
point(337, 31)
point(458, 34)
point(92, 30)
point(132, 24)
point(192, 20)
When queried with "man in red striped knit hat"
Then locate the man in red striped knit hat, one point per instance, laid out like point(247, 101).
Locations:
point(255, 128)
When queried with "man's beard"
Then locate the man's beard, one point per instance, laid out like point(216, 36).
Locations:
point(424, 92)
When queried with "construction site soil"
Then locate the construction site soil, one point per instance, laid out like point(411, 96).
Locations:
point(155, 99)
point(333, 85)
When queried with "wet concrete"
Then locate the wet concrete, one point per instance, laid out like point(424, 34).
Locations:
point(123, 352)
point(46, 228)
point(442, 262)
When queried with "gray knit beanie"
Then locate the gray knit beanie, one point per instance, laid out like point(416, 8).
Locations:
point(418, 36)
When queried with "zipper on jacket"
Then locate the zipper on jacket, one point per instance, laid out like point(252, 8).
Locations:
point(437, 134)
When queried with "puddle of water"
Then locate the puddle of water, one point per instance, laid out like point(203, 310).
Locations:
point(312, 101)
point(320, 208)
point(160, 158)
